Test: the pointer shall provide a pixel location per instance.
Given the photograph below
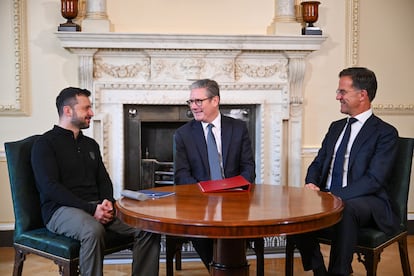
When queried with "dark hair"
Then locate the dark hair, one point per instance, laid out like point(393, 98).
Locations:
point(362, 78)
point(211, 85)
point(68, 97)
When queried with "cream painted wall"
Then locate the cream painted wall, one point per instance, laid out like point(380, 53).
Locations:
point(191, 17)
point(52, 68)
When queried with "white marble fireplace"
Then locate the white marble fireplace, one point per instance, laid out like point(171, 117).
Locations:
point(156, 69)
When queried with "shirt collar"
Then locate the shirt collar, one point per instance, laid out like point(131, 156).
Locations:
point(67, 131)
point(216, 122)
point(363, 117)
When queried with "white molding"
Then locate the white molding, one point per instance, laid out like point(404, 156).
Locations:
point(20, 106)
point(6, 226)
point(2, 154)
point(72, 40)
point(394, 109)
point(310, 151)
point(352, 32)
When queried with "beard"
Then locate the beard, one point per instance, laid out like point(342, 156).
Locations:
point(81, 123)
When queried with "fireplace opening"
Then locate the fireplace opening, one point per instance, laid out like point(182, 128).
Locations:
point(149, 131)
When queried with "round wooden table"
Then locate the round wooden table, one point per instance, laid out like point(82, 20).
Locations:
point(231, 217)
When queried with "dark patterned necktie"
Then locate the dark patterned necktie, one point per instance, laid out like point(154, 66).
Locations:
point(338, 167)
point(213, 155)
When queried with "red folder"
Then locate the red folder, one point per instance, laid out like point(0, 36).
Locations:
point(231, 184)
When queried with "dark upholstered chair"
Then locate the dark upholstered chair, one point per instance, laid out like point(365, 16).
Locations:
point(30, 234)
point(174, 245)
point(371, 241)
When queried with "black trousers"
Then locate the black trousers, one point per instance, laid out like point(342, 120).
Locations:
point(204, 248)
point(344, 236)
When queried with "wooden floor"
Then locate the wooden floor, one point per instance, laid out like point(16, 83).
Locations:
point(274, 265)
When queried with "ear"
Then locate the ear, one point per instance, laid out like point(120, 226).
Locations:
point(216, 100)
point(364, 95)
point(67, 111)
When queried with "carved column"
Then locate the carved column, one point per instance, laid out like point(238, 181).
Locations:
point(96, 18)
point(284, 21)
point(296, 76)
point(285, 11)
point(85, 71)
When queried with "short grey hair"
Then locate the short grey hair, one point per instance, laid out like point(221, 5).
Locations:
point(211, 85)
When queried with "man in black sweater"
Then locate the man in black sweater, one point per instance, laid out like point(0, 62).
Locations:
point(76, 191)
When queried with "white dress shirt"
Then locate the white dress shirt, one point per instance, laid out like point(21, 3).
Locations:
point(355, 128)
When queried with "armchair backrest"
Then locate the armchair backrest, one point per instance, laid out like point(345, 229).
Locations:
point(400, 178)
point(26, 199)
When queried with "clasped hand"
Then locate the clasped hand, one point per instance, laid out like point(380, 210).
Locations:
point(104, 212)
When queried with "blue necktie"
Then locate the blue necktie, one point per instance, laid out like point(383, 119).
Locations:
point(213, 155)
point(338, 167)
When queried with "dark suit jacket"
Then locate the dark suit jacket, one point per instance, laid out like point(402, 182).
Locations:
point(191, 160)
point(370, 161)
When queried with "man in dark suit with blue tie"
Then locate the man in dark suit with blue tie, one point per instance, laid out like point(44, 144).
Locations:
point(191, 161)
point(360, 178)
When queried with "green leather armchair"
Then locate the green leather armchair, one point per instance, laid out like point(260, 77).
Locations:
point(371, 241)
point(30, 234)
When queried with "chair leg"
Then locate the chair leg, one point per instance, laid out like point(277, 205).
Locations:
point(173, 250)
point(289, 251)
point(64, 269)
point(178, 257)
point(370, 260)
point(169, 255)
point(405, 262)
point(69, 268)
point(259, 251)
point(74, 268)
point(19, 259)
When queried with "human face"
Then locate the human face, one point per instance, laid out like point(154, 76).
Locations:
point(82, 112)
point(209, 108)
point(349, 97)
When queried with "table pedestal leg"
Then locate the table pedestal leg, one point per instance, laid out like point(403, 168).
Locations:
point(229, 258)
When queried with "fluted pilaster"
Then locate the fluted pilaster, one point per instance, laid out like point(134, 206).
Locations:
point(297, 68)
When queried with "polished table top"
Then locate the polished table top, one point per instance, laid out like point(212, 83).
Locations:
point(266, 210)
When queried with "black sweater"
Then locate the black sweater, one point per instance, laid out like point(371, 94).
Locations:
point(69, 172)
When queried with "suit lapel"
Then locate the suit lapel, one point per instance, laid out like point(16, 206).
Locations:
point(366, 131)
point(336, 131)
point(200, 141)
point(331, 139)
point(226, 134)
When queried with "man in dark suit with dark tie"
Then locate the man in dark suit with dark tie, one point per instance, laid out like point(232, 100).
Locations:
point(359, 177)
point(191, 161)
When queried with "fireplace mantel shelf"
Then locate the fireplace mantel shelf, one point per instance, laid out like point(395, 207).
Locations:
point(189, 41)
